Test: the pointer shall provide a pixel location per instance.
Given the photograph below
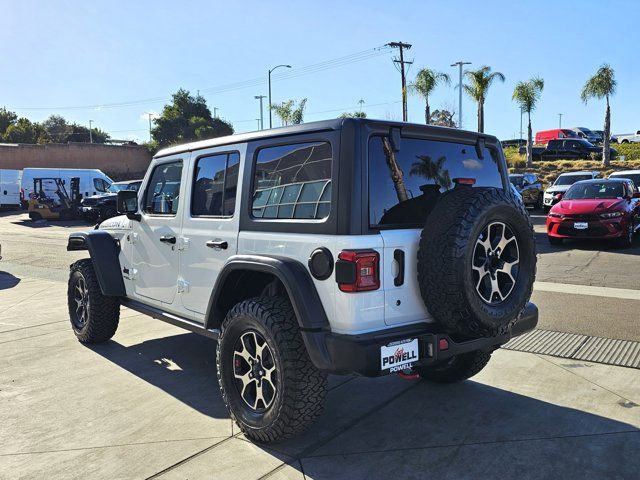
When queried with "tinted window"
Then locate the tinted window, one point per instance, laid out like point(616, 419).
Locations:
point(571, 179)
point(293, 181)
point(163, 192)
point(404, 186)
point(214, 186)
point(595, 190)
point(517, 181)
point(635, 178)
point(100, 185)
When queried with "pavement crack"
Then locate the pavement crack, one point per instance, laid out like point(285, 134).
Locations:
point(33, 326)
point(471, 444)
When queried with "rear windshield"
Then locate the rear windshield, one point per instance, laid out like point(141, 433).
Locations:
point(571, 179)
point(404, 186)
point(584, 191)
point(635, 177)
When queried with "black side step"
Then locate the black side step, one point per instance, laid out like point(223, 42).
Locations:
point(176, 320)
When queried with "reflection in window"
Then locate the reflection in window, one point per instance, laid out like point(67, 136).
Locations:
point(293, 181)
point(405, 185)
point(163, 193)
point(215, 185)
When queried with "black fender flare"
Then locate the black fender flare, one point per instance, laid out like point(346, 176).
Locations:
point(104, 251)
point(293, 275)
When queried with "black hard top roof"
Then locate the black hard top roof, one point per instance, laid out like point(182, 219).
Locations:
point(323, 125)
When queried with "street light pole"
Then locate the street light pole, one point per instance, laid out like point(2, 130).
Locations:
point(559, 120)
point(261, 124)
point(149, 115)
point(215, 112)
point(90, 134)
point(460, 64)
point(269, 76)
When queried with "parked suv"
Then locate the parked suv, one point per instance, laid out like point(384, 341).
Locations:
point(529, 187)
point(101, 207)
point(554, 192)
point(348, 246)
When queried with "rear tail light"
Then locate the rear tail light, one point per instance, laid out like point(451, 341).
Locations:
point(558, 196)
point(358, 270)
point(464, 181)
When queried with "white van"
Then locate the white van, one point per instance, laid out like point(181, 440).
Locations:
point(10, 182)
point(92, 181)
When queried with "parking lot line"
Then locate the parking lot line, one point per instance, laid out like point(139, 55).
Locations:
point(622, 293)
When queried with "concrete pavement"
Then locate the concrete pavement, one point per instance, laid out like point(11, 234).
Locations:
point(147, 405)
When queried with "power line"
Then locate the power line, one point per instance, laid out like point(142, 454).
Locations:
point(305, 70)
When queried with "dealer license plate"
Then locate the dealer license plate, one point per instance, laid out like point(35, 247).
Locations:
point(581, 225)
point(399, 355)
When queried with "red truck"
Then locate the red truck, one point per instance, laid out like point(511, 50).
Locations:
point(543, 136)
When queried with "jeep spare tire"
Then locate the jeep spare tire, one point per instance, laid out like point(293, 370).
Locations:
point(476, 261)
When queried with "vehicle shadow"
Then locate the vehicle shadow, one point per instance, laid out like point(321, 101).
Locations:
point(427, 420)
point(8, 280)
point(26, 222)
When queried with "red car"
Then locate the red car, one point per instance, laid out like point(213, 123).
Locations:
point(608, 209)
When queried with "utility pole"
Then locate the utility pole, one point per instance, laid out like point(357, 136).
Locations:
point(520, 138)
point(215, 112)
point(269, 79)
point(260, 97)
point(559, 120)
point(401, 47)
point(361, 103)
point(90, 134)
point(149, 115)
point(460, 64)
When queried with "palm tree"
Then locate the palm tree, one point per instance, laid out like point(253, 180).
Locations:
point(427, 168)
point(602, 85)
point(479, 82)
point(424, 84)
point(526, 95)
point(288, 114)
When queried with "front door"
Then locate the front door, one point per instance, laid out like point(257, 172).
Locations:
point(156, 242)
point(210, 226)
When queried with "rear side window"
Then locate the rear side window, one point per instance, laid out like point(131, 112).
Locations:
point(293, 181)
point(163, 193)
point(215, 185)
point(404, 186)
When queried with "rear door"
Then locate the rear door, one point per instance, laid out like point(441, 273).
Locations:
point(404, 187)
point(155, 250)
point(210, 225)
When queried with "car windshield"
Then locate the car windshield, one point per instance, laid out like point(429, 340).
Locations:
point(586, 191)
point(571, 179)
point(116, 187)
point(516, 181)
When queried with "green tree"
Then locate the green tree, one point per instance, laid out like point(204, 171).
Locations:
point(425, 83)
point(442, 118)
point(353, 115)
point(7, 118)
point(526, 95)
point(602, 85)
point(185, 119)
point(23, 131)
point(289, 113)
point(479, 82)
point(58, 130)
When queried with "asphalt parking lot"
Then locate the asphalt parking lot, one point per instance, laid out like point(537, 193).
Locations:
point(146, 404)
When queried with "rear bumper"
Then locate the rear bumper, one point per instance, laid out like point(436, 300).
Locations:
point(360, 354)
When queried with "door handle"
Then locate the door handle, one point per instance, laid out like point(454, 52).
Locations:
point(217, 244)
point(168, 239)
point(398, 256)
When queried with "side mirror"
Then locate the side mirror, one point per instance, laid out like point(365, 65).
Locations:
point(127, 203)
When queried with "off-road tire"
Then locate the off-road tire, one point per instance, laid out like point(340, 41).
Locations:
point(456, 369)
point(554, 240)
point(103, 312)
point(301, 387)
point(445, 257)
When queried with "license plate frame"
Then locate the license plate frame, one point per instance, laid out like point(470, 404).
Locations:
point(581, 225)
point(399, 355)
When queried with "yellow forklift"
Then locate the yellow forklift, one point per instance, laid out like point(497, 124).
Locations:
point(50, 200)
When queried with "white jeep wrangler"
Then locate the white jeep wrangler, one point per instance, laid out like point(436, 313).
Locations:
point(345, 246)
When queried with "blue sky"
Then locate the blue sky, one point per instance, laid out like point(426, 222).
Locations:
point(86, 54)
